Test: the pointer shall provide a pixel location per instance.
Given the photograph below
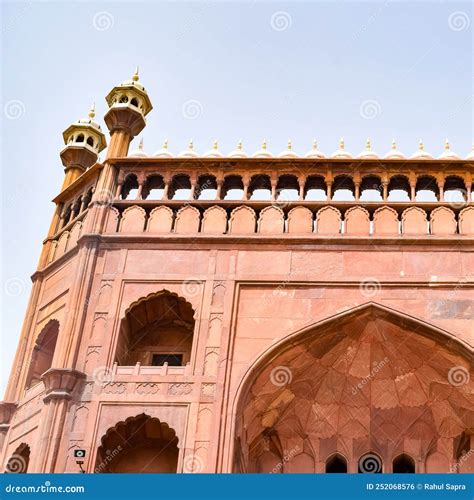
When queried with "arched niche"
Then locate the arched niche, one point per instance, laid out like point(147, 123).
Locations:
point(155, 330)
point(140, 444)
point(403, 464)
point(336, 464)
point(19, 460)
point(43, 352)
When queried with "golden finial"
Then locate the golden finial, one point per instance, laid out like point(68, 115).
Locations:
point(264, 144)
point(421, 146)
point(92, 111)
point(191, 144)
point(239, 145)
point(394, 144)
point(341, 144)
point(140, 144)
point(314, 145)
point(290, 145)
point(447, 147)
point(368, 145)
point(135, 76)
point(165, 144)
point(215, 145)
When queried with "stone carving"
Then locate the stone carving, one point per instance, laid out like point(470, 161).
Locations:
point(133, 220)
point(180, 389)
point(161, 220)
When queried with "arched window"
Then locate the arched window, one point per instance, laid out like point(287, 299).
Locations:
point(287, 188)
point(43, 352)
point(123, 99)
point(134, 102)
point(427, 188)
point(19, 461)
point(336, 464)
point(154, 188)
point(398, 188)
point(206, 188)
point(140, 444)
point(90, 141)
point(343, 188)
point(260, 187)
point(403, 464)
point(180, 188)
point(371, 189)
point(370, 463)
point(80, 138)
point(130, 187)
point(157, 330)
point(315, 188)
point(454, 190)
point(233, 188)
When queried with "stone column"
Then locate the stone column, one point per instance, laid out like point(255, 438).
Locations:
point(61, 385)
point(7, 410)
point(220, 183)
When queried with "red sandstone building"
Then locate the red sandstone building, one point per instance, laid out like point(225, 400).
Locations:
point(224, 313)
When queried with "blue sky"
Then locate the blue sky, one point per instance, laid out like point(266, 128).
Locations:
point(274, 70)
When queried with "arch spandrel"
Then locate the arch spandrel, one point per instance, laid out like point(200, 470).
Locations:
point(371, 377)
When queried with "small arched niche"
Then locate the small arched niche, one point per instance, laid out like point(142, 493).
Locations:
point(336, 464)
point(155, 330)
point(403, 464)
point(43, 352)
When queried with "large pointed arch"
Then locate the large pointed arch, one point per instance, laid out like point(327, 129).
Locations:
point(375, 329)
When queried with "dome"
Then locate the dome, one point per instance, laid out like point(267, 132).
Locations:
point(188, 153)
point(238, 152)
point(133, 82)
point(421, 154)
point(448, 154)
point(163, 152)
point(214, 152)
point(470, 156)
point(139, 153)
point(263, 153)
point(394, 154)
point(341, 152)
point(90, 120)
point(314, 152)
point(288, 152)
point(368, 154)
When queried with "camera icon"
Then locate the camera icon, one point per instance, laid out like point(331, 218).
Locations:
point(79, 453)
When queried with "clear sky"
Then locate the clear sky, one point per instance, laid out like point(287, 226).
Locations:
point(220, 70)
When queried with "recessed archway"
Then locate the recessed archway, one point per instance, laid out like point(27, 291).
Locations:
point(140, 444)
point(370, 380)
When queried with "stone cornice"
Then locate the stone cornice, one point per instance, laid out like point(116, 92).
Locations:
point(60, 383)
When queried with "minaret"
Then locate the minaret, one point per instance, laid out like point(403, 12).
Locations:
point(128, 105)
point(84, 141)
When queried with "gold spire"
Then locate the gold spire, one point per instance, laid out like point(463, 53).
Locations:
point(290, 145)
point(394, 144)
point(240, 145)
point(447, 146)
point(165, 144)
point(92, 111)
point(341, 144)
point(215, 145)
point(368, 145)
point(264, 144)
point(135, 76)
point(421, 146)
